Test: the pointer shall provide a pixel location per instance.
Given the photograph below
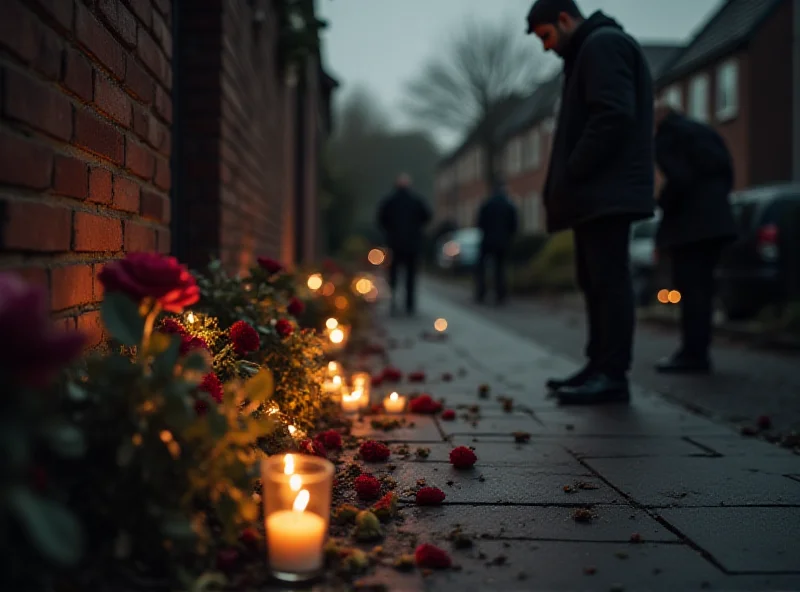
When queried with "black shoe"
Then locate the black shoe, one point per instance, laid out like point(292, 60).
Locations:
point(683, 364)
point(575, 380)
point(596, 389)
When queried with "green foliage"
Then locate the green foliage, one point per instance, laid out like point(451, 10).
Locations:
point(551, 270)
point(526, 247)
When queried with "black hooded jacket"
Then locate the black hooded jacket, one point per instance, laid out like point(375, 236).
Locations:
point(402, 216)
point(602, 156)
point(498, 220)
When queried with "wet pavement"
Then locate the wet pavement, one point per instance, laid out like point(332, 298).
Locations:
point(676, 500)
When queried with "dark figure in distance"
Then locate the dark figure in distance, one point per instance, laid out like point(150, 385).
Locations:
point(497, 219)
point(402, 215)
point(697, 222)
point(600, 180)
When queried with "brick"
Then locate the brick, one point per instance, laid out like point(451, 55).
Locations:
point(98, 137)
point(162, 34)
point(154, 207)
point(100, 186)
point(99, 42)
point(25, 164)
point(143, 9)
point(121, 20)
point(71, 286)
point(162, 177)
point(151, 56)
point(77, 75)
point(164, 241)
point(163, 104)
point(111, 100)
point(126, 195)
point(91, 326)
point(139, 237)
point(37, 105)
point(71, 177)
point(139, 82)
point(98, 289)
point(139, 160)
point(59, 11)
point(33, 226)
point(94, 233)
point(48, 57)
point(19, 30)
point(66, 324)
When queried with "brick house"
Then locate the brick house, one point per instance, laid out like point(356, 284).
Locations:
point(96, 162)
point(525, 136)
point(736, 74)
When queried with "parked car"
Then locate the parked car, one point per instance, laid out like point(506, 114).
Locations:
point(762, 266)
point(642, 250)
point(459, 250)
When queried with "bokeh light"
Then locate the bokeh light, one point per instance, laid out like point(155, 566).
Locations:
point(341, 303)
point(376, 256)
point(331, 323)
point(364, 286)
point(328, 289)
point(674, 296)
point(337, 336)
point(314, 282)
point(663, 296)
point(440, 325)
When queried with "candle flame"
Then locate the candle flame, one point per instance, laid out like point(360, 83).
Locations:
point(337, 380)
point(331, 366)
point(331, 324)
point(301, 501)
point(190, 318)
point(296, 482)
point(288, 464)
point(394, 396)
point(292, 430)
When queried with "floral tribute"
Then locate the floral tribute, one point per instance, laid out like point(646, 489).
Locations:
point(424, 405)
point(372, 451)
point(463, 457)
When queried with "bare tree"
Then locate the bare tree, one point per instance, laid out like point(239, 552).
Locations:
point(464, 89)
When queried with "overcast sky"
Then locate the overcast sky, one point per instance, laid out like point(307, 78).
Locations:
point(381, 44)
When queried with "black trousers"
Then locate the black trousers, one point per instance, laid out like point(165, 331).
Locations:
point(408, 262)
point(497, 257)
point(602, 262)
point(693, 268)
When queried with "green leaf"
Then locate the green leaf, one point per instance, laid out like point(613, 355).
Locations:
point(121, 317)
point(164, 363)
point(260, 387)
point(65, 439)
point(54, 531)
point(195, 361)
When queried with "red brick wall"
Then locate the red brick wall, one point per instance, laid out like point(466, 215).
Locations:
point(84, 142)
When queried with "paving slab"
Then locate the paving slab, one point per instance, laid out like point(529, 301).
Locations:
point(696, 481)
point(417, 428)
point(621, 447)
point(517, 422)
point(613, 523)
point(536, 453)
point(743, 539)
point(737, 445)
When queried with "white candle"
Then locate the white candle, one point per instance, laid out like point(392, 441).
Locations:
point(352, 402)
point(295, 538)
point(394, 403)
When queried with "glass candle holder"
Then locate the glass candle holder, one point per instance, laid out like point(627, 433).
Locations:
point(297, 491)
point(333, 387)
point(352, 400)
point(334, 369)
point(362, 381)
point(394, 403)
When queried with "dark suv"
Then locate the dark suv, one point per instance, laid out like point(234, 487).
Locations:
point(762, 266)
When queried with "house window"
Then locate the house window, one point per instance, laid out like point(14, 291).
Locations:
point(514, 157)
point(727, 94)
point(698, 97)
point(531, 152)
point(673, 97)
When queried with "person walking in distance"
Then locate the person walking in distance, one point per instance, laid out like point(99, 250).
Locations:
point(600, 180)
point(697, 222)
point(497, 219)
point(402, 216)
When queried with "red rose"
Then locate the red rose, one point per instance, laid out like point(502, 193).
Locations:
point(330, 440)
point(377, 380)
point(448, 415)
point(374, 451)
point(392, 374)
point(171, 326)
point(212, 385)
point(244, 338)
point(432, 557)
point(447, 377)
point(31, 349)
point(296, 307)
point(313, 448)
point(424, 405)
point(418, 376)
point(284, 327)
point(430, 496)
point(462, 457)
point(764, 422)
point(270, 265)
point(250, 537)
point(189, 343)
point(151, 275)
point(367, 487)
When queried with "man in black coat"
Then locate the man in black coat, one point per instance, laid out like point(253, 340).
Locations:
point(696, 224)
point(600, 180)
point(497, 220)
point(402, 215)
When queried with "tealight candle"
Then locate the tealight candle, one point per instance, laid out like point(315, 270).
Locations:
point(297, 498)
point(394, 403)
point(334, 385)
point(352, 402)
point(362, 381)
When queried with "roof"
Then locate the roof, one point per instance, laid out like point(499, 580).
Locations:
point(536, 107)
point(659, 55)
point(731, 27)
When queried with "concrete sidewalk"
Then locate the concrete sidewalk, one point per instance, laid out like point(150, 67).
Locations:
point(677, 501)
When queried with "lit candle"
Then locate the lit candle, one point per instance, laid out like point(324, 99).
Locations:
point(295, 537)
point(352, 402)
point(394, 403)
point(334, 368)
point(362, 381)
point(334, 385)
